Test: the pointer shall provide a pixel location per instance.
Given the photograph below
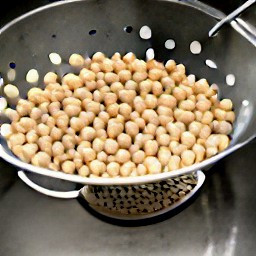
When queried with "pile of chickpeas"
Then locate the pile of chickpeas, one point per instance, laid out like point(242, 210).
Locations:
point(119, 117)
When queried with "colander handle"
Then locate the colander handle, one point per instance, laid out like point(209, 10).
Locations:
point(231, 17)
point(56, 194)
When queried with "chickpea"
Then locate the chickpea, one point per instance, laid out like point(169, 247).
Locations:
point(43, 130)
point(131, 128)
point(68, 141)
point(205, 131)
point(170, 65)
point(122, 156)
point(168, 84)
point(187, 105)
point(211, 151)
point(185, 117)
point(50, 78)
point(68, 167)
point(230, 116)
point(127, 168)
point(102, 156)
point(44, 107)
point(86, 75)
point(155, 74)
point(151, 101)
point(203, 105)
point(116, 87)
point(77, 124)
point(195, 128)
point(164, 155)
point(88, 154)
point(179, 94)
point(166, 111)
point(27, 123)
point(92, 85)
point(207, 117)
point(72, 81)
point(151, 147)
point(111, 146)
point(98, 57)
point(119, 65)
point(113, 169)
point(45, 144)
point(134, 115)
point(157, 88)
point(97, 167)
point(139, 104)
point(150, 116)
point(145, 87)
point(153, 165)
point(101, 134)
point(100, 82)
point(28, 151)
point(41, 159)
point(124, 76)
point(124, 141)
point(141, 170)
point(188, 157)
point(177, 148)
point(226, 105)
point(56, 134)
point(104, 116)
point(62, 121)
point(160, 130)
point(111, 77)
point(138, 157)
point(107, 65)
point(57, 149)
point(37, 96)
point(125, 110)
point(24, 107)
point(164, 120)
point(174, 131)
point(12, 114)
point(140, 123)
point(129, 57)
point(113, 109)
point(150, 129)
point(198, 115)
point(126, 96)
point(31, 136)
point(84, 171)
point(188, 139)
point(220, 114)
point(88, 133)
point(93, 107)
point(201, 86)
point(114, 129)
point(131, 85)
point(199, 151)
point(76, 60)
point(167, 101)
point(155, 64)
point(164, 139)
point(187, 89)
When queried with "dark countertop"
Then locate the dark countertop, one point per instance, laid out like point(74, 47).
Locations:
point(220, 220)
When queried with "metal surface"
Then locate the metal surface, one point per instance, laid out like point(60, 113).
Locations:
point(67, 31)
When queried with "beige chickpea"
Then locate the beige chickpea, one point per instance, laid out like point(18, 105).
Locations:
point(201, 86)
point(122, 156)
point(90, 116)
point(138, 157)
point(84, 171)
point(97, 167)
point(77, 123)
point(111, 77)
point(98, 57)
point(203, 105)
point(157, 88)
point(150, 129)
point(155, 74)
point(91, 85)
point(226, 105)
point(28, 152)
point(134, 148)
point(134, 115)
point(56, 134)
point(220, 114)
point(57, 95)
point(163, 139)
point(43, 130)
point(102, 156)
point(87, 75)
point(110, 98)
point(24, 107)
point(139, 65)
point(127, 168)
point(114, 129)
point(101, 134)
point(68, 167)
point(199, 151)
point(179, 94)
point(12, 114)
point(119, 65)
point(88, 154)
point(131, 85)
point(223, 127)
point(183, 116)
point(124, 76)
point(177, 148)
point(93, 107)
point(113, 109)
point(188, 139)
point(145, 87)
point(167, 101)
point(129, 57)
point(140, 123)
point(160, 130)
point(168, 84)
point(31, 136)
point(224, 142)
point(174, 131)
point(174, 163)
point(113, 169)
point(154, 64)
point(100, 82)
point(54, 107)
point(151, 147)
point(198, 115)
point(131, 128)
point(139, 104)
point(98, 145)
point(151, 101)
point(195, 128)
point(104, 116)
point(124, 141)
point(170, 65)
point(207, 117)
point(72, 110)
point(187, 105)
point(88, 133)
point(45, 144)
point(76, 60)
point(116, 87)
point(57, 148)
point(150, 116)
point(111, 146)
point(188, 157)
point(205, 131)
point(37, 96)
point(230, 116)
point(98, 96)
point(141, 170)
point(164, 120)
point(50, 78)
point(107, 65)
point(27, 123)
point(73, 81)
point(163, 110)
point(127, 96)
point(116, 56)
point(153, 165)
point(164, 155)
point(125, 110)
point(41, 159)
point(211, 151)
point(44, 107)
point(68, 141)
point(187, 89)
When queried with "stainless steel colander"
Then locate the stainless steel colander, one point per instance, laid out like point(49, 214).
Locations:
point(167, 29)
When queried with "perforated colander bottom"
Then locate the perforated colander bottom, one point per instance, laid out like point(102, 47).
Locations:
point(140, 199)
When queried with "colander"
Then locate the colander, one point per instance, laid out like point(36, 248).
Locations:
point(163, 29)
